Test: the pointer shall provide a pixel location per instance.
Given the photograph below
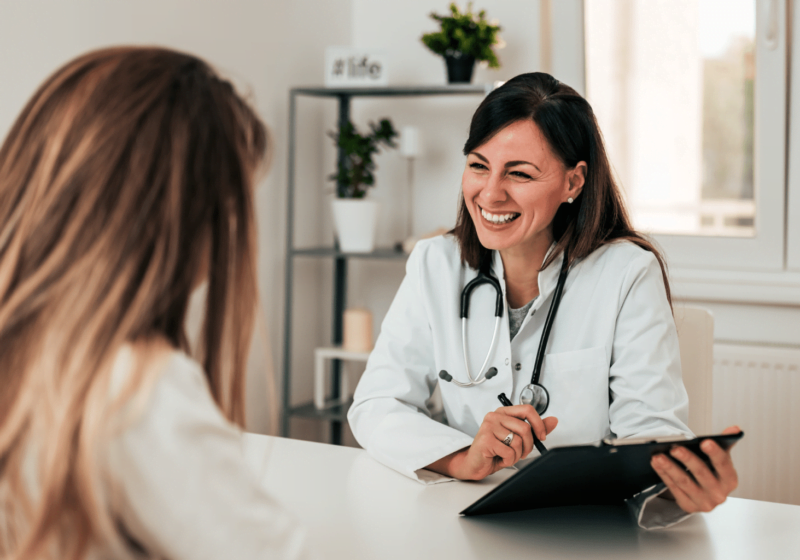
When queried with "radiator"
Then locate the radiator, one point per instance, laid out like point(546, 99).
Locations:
point(758, 389)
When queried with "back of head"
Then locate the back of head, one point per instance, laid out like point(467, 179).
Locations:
point(126, 178)
point(566, 120)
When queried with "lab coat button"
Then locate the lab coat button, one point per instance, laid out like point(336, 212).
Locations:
point(506, 361)
point(518, 367)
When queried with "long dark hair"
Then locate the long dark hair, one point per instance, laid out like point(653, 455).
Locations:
point(598, 215)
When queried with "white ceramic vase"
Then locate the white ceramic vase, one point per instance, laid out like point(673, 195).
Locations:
point(355, 221)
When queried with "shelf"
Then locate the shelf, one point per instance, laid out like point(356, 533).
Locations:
point(339, 353)
point(394, 91)
point(337, 412)
point(386, 253)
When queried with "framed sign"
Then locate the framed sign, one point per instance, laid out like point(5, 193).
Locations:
point(352, 67)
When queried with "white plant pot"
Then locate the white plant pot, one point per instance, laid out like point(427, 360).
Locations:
point(355, 221)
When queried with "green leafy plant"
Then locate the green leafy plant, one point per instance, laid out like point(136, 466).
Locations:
point(465, 34)
point(355, 175)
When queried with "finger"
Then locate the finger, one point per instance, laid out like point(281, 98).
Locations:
point(732, 430)
point(683, 482)
point(550, 423)
point(527, 412)
point(506, 456)
point(516, 444)
point(723, 464)
point(706, 480)
point(523, 433)
point(684, 501)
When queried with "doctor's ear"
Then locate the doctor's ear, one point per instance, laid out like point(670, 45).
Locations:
point(576, 177)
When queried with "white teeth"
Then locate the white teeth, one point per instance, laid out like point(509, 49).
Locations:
point(498, 218)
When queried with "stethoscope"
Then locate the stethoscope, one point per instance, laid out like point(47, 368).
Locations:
point(534, 393)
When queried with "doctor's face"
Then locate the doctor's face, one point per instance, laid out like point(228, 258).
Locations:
point(513, 185)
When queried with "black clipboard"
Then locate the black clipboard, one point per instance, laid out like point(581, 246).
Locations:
point(586, 475)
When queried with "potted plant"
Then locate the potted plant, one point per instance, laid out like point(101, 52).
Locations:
point(355, 216)
point(463, 39)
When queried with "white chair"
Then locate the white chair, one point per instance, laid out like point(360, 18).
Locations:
point(696, 337)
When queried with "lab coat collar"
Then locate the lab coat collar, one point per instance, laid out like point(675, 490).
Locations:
point(548, 278)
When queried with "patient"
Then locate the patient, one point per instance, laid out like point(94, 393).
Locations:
point(126, 182)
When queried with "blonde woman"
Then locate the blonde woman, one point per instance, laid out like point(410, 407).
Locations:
point(125, 183)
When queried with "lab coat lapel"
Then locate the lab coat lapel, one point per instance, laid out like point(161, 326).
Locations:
point(524, 347)
point(548, 279)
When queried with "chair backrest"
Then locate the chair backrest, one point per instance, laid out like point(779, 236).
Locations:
point(696, 337)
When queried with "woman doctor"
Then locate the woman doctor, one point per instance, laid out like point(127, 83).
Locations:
point(537, 185)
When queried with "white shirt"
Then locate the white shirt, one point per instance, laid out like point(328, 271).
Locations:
point(178, 482)
point(612, 365)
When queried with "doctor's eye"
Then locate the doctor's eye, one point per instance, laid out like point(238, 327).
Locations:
point(477, 166)
point(520, 175)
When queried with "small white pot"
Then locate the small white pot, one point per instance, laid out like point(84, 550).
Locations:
point(355, 220)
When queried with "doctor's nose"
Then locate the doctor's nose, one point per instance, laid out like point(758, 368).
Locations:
point(493, 190)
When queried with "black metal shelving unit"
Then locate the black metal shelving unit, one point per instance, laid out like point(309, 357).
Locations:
point(336, 414)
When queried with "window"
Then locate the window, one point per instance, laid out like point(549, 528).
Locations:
point(691, 98)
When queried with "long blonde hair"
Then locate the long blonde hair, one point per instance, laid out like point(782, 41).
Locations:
point(127, 176)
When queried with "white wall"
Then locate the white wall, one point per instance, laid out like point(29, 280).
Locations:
point(266, 46)
point(443, 122)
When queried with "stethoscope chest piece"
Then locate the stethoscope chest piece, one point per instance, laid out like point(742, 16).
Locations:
point(535, 395)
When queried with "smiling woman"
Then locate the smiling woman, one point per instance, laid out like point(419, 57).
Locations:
point(513, 186)
point(544, 135)
point(541, 219)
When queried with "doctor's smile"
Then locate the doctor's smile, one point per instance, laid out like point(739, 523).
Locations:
point(498, 219)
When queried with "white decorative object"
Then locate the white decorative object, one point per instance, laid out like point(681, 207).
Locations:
point(322, 354)
point(409, 141)
point(355, 220)
point(409, 148)
point(352, 67)
point(357, 330)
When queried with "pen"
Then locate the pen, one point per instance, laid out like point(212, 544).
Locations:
point(539, 445)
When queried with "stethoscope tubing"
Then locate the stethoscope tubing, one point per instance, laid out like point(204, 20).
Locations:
point(551, 316)
point(485, 277)
point(481, 375)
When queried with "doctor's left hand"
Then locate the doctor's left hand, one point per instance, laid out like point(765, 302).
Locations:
point(704, 489)
point(488, 454)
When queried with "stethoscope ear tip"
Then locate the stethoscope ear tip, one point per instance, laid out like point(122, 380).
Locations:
point(446, 376)
point(491, 373)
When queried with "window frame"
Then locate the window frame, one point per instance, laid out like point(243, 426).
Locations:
point(793, 182)
point(764, 269)
point(764, 251)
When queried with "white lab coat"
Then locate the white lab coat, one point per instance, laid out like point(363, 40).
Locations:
point(612, 364)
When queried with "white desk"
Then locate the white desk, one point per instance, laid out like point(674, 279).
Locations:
point(356, 508)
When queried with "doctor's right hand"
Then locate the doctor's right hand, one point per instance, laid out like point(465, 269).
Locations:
point(488, 452)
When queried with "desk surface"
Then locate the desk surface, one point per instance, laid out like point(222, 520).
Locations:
point(356, 508)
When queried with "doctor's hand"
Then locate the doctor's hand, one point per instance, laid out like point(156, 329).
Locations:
point(708, 488)
point(488, 454)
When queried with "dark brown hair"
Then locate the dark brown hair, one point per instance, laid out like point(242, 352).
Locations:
point(127, 177)
point(598, 215)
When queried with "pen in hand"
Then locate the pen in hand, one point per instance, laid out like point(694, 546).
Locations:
point(538, 444)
